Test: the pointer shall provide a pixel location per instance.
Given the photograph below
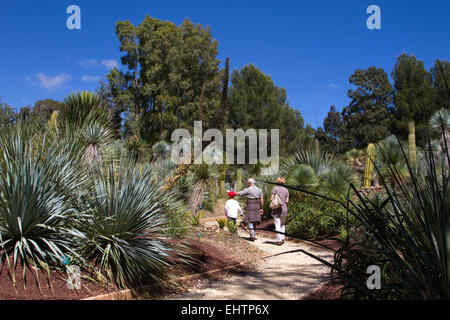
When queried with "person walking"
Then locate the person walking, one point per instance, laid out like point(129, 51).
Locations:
point(254, 206)
point(232, 208)
point(279, 214)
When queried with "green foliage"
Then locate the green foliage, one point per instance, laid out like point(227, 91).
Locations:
point(313, 218)
point(328, 136)
point(222, 222)
point(167, 67)
point(256, 102)
point(318, 172)
point(413, 97)
point(389, 153)
point(80, 109)
point(123, 229)
point(196, 218)
point(36, 191)
point(231, 226)
point(365, 120)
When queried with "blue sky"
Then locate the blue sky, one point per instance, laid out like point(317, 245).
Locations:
point(309, 47)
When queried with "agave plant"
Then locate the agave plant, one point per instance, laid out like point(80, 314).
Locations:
point(36, 192)
point(125, 225)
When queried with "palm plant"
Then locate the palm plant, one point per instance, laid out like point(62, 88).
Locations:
point(389, 153)
point(318, 172)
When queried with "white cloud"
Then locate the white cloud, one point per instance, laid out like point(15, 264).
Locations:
point(87, 78)
point(110, 64)
point(334, 86)
point(87, 63)
point(49, 82)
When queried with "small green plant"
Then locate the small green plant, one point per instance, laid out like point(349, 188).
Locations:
point(195, 219)
point(231, 226)
point(222, 222)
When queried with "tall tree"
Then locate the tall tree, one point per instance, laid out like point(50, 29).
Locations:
point(7, 115)
point(168, 67)
point(328, 136)
point(255, 102)
point(365, 119)
point(441, 82)
point(413, 97)
point(223, 100)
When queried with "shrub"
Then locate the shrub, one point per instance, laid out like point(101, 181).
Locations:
point(196, 218)
point(231, 226)
point(313, 218)
point(222, 222)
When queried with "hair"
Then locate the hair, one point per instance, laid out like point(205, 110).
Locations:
point(281, 180)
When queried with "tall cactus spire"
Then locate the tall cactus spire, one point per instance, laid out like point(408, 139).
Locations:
point(368, 168)
point(412, 144)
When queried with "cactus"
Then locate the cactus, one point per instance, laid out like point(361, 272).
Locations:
point(412, 145)
point(368, 168)
point(238, 185)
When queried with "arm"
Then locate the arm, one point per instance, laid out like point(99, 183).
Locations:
point(287, 199)
point(262, 205)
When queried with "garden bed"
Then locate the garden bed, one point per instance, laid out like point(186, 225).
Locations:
point(212, 251)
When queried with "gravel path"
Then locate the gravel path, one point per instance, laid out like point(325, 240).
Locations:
point(283, 275)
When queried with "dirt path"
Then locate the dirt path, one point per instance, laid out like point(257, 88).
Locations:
point(281, 275)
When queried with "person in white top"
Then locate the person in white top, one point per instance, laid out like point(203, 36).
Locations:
point(232, 207)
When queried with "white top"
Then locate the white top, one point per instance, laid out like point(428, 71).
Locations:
point(231, 208)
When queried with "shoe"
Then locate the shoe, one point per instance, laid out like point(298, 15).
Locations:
point(252, 239)
point(279, 243)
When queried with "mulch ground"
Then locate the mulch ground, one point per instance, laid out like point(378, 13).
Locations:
point(42, 287)
point(210, 251)
point(328, 291)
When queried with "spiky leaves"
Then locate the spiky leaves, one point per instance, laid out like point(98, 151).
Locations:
point(124, 230)
point(36, 188)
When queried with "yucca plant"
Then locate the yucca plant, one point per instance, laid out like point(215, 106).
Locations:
point(125, 225)
point(79, 109)
point(136, 148)
point(161, 151)
point(205, 177)
point(37, 189)
point(94, 137)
